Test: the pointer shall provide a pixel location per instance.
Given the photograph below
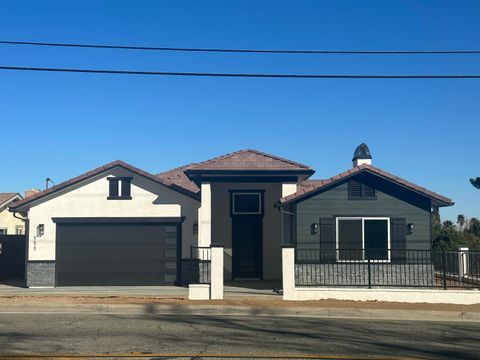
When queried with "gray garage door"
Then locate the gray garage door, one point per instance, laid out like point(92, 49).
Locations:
point(116, 254)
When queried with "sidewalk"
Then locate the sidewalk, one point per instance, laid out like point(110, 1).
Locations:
point(188, 309)
point(240, 301)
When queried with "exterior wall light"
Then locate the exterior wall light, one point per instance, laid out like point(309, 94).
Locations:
point(410, 228)
point(314, 228)
point(40, 230)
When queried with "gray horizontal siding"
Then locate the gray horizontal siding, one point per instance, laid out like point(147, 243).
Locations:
point(334, 202)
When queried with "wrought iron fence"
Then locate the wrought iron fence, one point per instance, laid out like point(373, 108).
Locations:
point(199, 268)
point(387, 268)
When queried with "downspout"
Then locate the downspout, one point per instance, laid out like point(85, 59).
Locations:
point(19, 218)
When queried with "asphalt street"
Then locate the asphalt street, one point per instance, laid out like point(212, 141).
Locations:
point(117, 333)
point(148, 332)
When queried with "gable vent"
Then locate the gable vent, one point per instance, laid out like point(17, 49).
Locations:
point(358, 190)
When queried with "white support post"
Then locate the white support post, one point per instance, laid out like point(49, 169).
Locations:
point(205, 216)
point(288, 272)
point(216, 272)
point(462, 261)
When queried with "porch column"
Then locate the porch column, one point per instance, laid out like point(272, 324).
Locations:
point(462, 261)
point(216, 273)
point(288, 189)
point(205, 216)
point(288, 272)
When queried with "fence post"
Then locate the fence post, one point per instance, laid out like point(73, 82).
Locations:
point(444, 266)
point(369, 274)
point(288, 272)
point(462, 261)
point(216, 272)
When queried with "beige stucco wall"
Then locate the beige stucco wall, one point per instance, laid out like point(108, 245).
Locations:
point(89, 199)
point(221, 227)
point(9, 222)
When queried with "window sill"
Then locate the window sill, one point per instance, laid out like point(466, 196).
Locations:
point(119, 198)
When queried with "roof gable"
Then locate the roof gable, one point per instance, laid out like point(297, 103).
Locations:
point(7, 198)
point(249, 160)
point(97, 171)
point(4, 197)
point(315, 186)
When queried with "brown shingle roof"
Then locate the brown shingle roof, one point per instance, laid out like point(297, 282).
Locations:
point(97, 171)
point(311, 186)
point(4, 197)
point(177, 176)
point(249, 159)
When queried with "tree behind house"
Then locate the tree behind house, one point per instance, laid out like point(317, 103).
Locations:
point(475, 182)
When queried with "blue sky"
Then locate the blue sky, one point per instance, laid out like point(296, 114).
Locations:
point(61, 125)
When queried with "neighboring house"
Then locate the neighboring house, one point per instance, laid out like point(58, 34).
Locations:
point(119, 225)
point(9, 224)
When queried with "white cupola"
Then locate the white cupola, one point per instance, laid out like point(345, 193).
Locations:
point(362, 155)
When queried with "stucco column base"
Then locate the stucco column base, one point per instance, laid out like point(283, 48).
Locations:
point(288, 272)
point(199, 291)
point(216, 273)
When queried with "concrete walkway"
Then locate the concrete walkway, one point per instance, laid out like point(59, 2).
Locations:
point(231, 290)
point(176, 309)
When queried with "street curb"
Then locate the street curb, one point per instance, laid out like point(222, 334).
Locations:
point(229, 310)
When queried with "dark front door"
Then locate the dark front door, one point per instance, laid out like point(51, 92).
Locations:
point(247, 246)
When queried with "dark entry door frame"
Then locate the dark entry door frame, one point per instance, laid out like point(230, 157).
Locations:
point(247, 237)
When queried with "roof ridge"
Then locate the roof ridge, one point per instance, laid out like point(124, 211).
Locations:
point(96, 171)
point(258, 152)
point(275, 157)
point(357, 169)
point(221, 157)
point(176, 169)
point(8, 197)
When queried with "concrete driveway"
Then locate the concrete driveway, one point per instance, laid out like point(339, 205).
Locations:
point(16, 288)
point(231, 289)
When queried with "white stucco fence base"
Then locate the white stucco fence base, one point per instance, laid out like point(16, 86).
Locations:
point(461, 297)
point(199, 292)
point(432, 296)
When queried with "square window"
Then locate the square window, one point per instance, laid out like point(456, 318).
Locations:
point(19, 230)
point(246, 203)
point(3, 231)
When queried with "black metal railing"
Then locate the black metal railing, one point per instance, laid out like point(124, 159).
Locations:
point(387, 268)
point(199, 269)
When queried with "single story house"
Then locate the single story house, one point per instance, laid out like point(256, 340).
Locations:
point(9, 224)
point(119, 225)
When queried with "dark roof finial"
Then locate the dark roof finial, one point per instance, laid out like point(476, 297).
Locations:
point(362, 152)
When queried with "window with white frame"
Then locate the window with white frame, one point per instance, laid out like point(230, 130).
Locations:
point(19, 229)
point(363, 238)
point(3, 231)
point(246, 203)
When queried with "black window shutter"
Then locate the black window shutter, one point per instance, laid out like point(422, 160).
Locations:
point(327, 239)
point(113, 188)
point(398, 240)
point(126, 184)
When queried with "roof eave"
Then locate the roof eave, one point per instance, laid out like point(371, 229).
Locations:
point(435, 201)
point(196, 175)
point(24, 206)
